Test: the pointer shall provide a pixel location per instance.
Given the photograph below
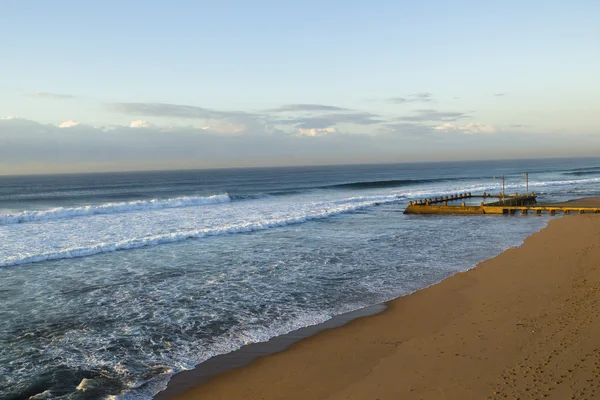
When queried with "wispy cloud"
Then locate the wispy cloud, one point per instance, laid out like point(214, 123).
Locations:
point(328, 120)
point(307, 108)
point(469, 129)
point(431, 115)
point(224, 122)
point(499, 94)
point(423, 97)
point(52, 96)
point(171, 111)
point(407, 128)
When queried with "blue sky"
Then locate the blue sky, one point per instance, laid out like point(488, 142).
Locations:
point(425, 76)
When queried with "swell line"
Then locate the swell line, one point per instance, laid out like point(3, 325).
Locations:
point(110, 208)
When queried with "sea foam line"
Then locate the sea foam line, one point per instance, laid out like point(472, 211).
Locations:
point(110, 208)
point(155, 240)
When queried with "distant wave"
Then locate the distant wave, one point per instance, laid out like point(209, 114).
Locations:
point(386, 183)
point(110, 208)
point(353, 204)
point(583, 171)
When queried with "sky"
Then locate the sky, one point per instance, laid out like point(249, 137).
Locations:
point(142, 85)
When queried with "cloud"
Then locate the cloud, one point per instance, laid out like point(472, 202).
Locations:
point(8, 118)
point(225, 128)
point(328, 120)
point(237, 122)
point(406, 128)
point(307, 108)
point(226, 122)
point(68, 124)
point(52, 96)
point(423, 97)
point(315, 132)
point(469, 129)
point(172, 111)
point(516, 126)
point(433, 116)
point(141, 124)
point(499, 94)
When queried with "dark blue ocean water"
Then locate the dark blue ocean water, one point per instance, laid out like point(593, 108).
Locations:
point(111, 283)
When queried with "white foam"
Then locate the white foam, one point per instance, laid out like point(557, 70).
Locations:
point(110, 208)
point(83, 385)
point(323, 210)
point(46, 394)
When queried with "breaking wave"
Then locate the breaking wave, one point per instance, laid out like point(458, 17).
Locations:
point(110, 208)
point(154, 240)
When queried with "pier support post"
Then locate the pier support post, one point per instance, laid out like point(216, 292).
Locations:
point(581, 211)
point(567, 212)
point(511, 211)
point(445, 203)
point(524, 211)
point(552, 212)
point(463, 203)
point(538, 212)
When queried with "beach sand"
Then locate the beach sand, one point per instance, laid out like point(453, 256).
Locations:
point(525, 325)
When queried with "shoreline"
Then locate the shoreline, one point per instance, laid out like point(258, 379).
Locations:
point(245, 355)
point(329, 362)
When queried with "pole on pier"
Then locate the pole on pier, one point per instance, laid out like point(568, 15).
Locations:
point(526, 183)
point(495, 177)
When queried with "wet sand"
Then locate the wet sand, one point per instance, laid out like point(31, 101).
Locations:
point(525, 324)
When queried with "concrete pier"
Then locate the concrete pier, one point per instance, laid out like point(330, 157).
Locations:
point(505, 206)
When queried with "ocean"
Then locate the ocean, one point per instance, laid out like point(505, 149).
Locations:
point(112, 283)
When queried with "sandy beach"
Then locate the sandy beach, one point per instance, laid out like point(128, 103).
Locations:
point(521, 325)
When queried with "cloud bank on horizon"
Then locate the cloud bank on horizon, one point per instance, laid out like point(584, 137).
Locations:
point(72, 146)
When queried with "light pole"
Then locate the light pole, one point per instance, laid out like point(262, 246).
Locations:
point(495, 177)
